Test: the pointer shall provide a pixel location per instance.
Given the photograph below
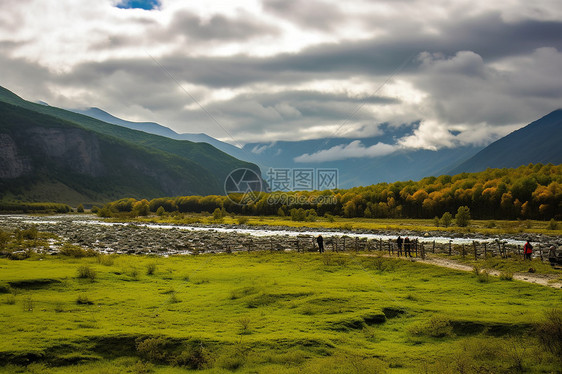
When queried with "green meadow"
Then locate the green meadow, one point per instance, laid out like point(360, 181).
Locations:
point(263, 312)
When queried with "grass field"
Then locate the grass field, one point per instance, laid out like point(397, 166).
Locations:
point(270, 312)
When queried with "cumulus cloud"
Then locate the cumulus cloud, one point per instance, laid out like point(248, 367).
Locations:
point(355, 149)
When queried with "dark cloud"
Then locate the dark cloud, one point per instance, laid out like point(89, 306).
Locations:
point(311, 14)
point(218, 27)
point(473, 69)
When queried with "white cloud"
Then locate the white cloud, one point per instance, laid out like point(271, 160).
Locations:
point(355, 149)
point(269, 70)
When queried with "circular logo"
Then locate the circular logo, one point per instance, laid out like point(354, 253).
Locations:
point(243, 186)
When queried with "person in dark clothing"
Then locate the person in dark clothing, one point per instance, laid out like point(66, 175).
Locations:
point(399, 242)
point(320, 241)
point(528, 250)
point(552, 258)
point(407, 251)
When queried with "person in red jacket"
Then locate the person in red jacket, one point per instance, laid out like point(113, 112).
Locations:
point(527, 250)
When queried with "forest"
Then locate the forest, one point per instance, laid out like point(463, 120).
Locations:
point(533, 191)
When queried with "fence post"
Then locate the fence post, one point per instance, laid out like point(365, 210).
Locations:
point(433, 250)
point(298, 246)
point(463, 251)
point(475, 250)
point(356, 244)
point(389, 246)
point(450, 249)
point(344, 243)
point(422, 251)
point(485, 250)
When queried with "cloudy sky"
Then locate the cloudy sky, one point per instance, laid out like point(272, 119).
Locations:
point(447, 72)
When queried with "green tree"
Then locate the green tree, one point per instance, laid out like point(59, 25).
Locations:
point(217, 214)
point(80, 208)
point(4, 238)
point(436, 221)
point(160, 211)
point(462, 218)
point(446, 219)
point(298, 214)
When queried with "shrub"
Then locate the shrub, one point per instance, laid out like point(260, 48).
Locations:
point(106, 260)
point(28, 304)
point(481, 275)
point(195, 357)
point(30, 233)
point(244, 323)
point(330, 217)
point(152, 349)
point(151, 268)
point(174, 298)
point(80, 208)
point(552, 225)
point(83, 300)
point(436, 326)
point(549, 332)
point(490, 224)
point(104, 212)
point(95, 209)
point(436, 221)
point(72, 250)
point(506, 275)
point(86, 272)
point(4, 239)
point(243, 220)
point(134, 273)
point(10, 299)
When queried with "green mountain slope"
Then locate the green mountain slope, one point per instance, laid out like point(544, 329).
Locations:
point(212, 159)
point(538, 142)
point(47, 153)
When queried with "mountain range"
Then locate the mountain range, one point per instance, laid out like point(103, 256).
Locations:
point(90, 156)
point(538, 142)
point(51, 154)
point(274, 157)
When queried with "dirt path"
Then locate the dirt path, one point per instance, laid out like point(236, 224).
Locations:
point(542, 279)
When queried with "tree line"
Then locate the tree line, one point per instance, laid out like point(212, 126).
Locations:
point(533, 191)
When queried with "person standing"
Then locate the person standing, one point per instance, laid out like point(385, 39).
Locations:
point(552, 258)
point(399, 242)
point(407, 251)
point(528, 250)
point(320, 241)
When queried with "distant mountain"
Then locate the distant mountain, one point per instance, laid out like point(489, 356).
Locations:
point(353, 172)
point(157, 129)
point(403, 165)
point(50, 154)
point(538, 142)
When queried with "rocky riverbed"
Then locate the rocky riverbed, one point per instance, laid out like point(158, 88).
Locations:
point(94, 233)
